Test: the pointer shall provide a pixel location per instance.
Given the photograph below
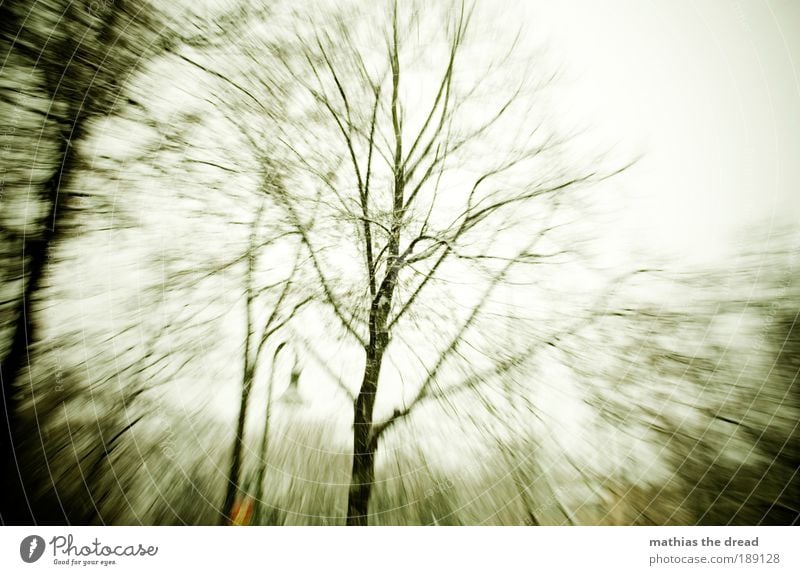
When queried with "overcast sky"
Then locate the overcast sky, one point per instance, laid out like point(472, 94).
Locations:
point(708, 91)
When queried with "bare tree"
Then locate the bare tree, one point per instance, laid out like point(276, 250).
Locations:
point(257, 335)
point(412, 191)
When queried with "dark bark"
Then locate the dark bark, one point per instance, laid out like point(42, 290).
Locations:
point(15, 507)
point(365, 438)
point(235, 470)
point(364, 441)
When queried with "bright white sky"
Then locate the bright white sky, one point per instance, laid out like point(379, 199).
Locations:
point(708, 89)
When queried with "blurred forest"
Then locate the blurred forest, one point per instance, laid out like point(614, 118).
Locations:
point(342, 263)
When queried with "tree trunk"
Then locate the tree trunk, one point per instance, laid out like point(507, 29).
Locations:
point(364, 440)
point(232, 486)
point(15, 508)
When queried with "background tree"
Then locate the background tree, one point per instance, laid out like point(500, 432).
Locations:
point(65, 65)
point(68, 67)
